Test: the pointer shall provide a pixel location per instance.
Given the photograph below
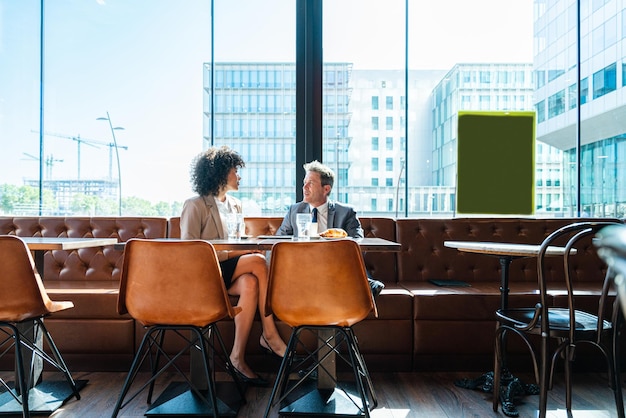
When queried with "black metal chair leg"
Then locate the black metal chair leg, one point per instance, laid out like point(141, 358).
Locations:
point(497, 369)
point(212, 397)
point(363, 367)
point(59, 359)
point(132, 373)
point(365, 407)
point(155, 363)
point(283, 372)
point(616, 363)
point(22, 385)
point(543, 379)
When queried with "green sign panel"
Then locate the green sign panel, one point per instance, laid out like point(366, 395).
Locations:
point(496, 162)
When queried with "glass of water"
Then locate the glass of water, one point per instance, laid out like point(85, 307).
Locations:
point(303, 224)
point(235, 225)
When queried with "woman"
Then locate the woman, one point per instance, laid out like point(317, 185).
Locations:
point(213, 175)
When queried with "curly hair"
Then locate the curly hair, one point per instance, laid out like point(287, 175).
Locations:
point(327, 176)
point(210, 169)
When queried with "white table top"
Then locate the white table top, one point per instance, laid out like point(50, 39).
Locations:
point(260, 244)
point(65, 243)
point(504, 248)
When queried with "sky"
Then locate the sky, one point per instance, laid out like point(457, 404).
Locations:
point(142, 61)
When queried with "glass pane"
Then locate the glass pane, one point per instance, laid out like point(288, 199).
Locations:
point(19, 109)
point(480, 62)
point(122, 101)
point(468, 66)
point(364, 53)
point(603, 127)
point(255, 99)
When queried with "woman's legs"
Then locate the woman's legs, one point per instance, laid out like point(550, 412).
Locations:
point(256, 265)
point(246, 287)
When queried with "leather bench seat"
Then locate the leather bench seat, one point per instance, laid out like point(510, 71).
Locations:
point(92, 299)
point(454, 326)
point(477, 302)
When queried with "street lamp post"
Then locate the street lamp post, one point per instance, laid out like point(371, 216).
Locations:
point(337, 167)
point(117, 157)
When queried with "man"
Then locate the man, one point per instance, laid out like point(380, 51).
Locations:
point(318, 183)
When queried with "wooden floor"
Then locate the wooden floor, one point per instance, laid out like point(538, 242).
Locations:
point(401, 395)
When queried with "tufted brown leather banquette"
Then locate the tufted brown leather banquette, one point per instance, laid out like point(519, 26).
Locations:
point(420, 326)
point(454, 326)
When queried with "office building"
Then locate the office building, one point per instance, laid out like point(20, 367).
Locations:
point(602, 128)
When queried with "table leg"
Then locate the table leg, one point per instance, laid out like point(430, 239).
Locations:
point(505, 263)
point(196, 372)
point(31, 331)
point(326, 381)
point(510, 386)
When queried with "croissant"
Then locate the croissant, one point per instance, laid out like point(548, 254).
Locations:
point(334, 233)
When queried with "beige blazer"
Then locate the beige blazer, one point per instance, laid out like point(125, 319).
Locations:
point(200, 219)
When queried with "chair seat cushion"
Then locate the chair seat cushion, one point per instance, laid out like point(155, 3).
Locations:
point(93, 299)
point(559, 319)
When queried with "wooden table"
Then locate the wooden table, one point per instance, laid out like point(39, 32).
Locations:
point(266, 244)
point(506, 252)
point(46, 397)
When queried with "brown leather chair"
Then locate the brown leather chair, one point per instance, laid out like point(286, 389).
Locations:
point(23, 304)
point(175, 286)
point(317, 287)
point(569, 325)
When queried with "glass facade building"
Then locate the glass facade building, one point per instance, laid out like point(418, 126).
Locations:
point(600, 130)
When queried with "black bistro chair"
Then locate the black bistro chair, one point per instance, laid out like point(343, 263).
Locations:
point(569, 326)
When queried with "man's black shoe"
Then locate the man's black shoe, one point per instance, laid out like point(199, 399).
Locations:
point(376, 287)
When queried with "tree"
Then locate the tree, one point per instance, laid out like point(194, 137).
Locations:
point(25, 200)
point(85, 205)
point(135, 206)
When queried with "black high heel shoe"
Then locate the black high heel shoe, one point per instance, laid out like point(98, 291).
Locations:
point(268, 348)
point(257, 381)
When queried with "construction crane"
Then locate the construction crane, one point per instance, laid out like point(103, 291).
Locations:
point(49, 161)
point(92, 143)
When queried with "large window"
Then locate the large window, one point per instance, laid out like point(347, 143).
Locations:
point(112, 101)
point(604, 81)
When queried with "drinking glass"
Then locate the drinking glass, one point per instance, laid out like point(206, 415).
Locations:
point(303, 223)
point(235, 225)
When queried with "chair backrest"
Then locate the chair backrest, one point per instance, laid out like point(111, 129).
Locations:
point(172, 283)
point(22, 295)
point(611, 243)
point(318, 283)
point(575, 238)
